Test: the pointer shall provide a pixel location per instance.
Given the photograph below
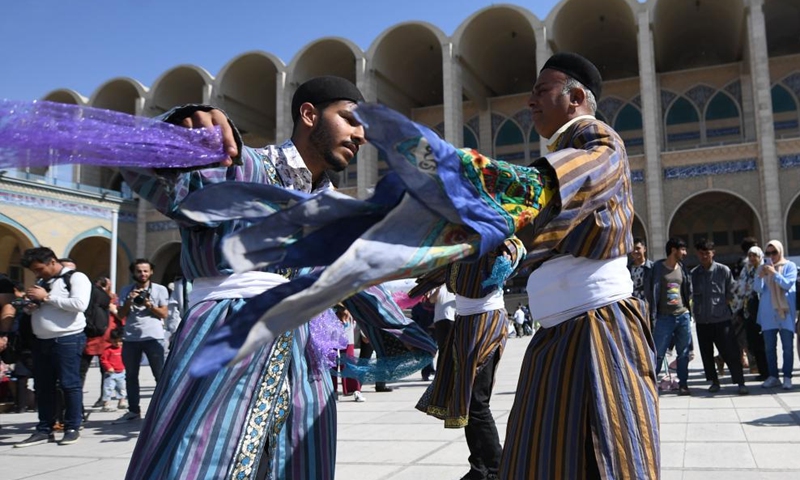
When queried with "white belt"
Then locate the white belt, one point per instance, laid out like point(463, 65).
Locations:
point(237, 285)
point(474, 306)
point(567, 286)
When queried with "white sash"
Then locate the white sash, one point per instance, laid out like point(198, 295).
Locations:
point(567, 286)
point(237, 285)
point(474, 306)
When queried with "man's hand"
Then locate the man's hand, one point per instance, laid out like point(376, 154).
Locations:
point(211, 119)
point(36, 293)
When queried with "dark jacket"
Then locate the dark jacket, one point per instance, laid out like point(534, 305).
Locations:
point(712, 293)
point(686, 288)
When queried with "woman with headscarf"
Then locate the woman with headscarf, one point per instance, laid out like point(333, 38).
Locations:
point(775, 282)
point(745, 307)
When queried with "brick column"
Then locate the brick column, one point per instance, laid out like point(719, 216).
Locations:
point(451, 86)
point(367, 165)
point(762, 98)
point(651, 126)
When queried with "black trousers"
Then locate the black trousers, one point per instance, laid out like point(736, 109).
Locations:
point(481, 431)
point(366, 352)
point(721, 335)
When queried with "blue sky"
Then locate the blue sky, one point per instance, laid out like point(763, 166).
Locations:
point(80, 44)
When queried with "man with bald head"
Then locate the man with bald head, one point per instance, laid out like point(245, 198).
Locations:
point(586, 403)
point(273, 415)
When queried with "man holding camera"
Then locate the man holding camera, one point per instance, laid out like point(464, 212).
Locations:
point(57, 319)
point(144, 307)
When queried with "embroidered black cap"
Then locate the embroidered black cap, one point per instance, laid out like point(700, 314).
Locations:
point(319, 90)
point(578, 68)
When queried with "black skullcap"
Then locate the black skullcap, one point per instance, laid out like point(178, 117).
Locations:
point(578, 68)
point(325, 89)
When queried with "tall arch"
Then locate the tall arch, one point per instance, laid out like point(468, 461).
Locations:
point(604, 32)
point(406, 60)
point(180, 85)
point(14, 239)
point(721, 216)
point(91, 251)
point(246, 89)
point(792, 222)
point(167, 260)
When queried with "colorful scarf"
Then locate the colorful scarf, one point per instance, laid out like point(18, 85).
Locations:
point(438, 205)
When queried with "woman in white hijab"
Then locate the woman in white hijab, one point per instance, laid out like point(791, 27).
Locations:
point(775, 282)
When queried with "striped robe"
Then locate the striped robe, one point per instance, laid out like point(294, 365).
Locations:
point(587, 390)
point(270, 416)
point(475, 342)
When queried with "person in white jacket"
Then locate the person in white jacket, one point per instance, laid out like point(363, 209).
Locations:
point(57, 303)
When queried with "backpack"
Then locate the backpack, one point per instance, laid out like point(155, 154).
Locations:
point(97, 312)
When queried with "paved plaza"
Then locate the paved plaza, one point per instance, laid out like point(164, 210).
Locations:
point(724, 436)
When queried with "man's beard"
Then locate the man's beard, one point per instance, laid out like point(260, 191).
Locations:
point(322, 141)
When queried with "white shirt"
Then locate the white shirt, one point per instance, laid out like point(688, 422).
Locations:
point(62, 313)
point(444, 305)
point(519, 316)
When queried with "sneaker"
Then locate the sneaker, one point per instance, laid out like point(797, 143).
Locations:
point(684, 391)
point(98, 403)
point(359, 397)
point(128, 417)
point(383, 388)
point(771, 382)
point(714, 388)
point(108, 408)
point(37, 438)
point(743, 390)
point(122, 404)
point(787, 383)
point(70, 437)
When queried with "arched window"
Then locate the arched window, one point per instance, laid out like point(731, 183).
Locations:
point(782, 100)
point(629, 118)
point(470, 140)
point(509, 134)
point(721, 107)
point(784, 110)
point(509, 145)
point(682, 111)
point(683, 124)
point(722, 119)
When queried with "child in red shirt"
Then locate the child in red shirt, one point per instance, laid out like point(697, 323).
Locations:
point(114, 378)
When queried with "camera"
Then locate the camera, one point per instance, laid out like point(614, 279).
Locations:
point(22, 302)
point(141, 298)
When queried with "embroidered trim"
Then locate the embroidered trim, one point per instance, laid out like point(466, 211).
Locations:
point(268, 413)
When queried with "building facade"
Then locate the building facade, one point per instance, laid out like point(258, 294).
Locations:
point(705, 93)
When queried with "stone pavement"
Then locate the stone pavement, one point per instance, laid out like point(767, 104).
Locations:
point(724, 436)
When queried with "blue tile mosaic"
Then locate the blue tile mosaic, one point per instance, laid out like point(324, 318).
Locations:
point(707, 169)
point(52, 204)
point(475, 124)
point(786, 125)
point(722, 132)
point(789, 161)
point(637, 176)
point(161, 226)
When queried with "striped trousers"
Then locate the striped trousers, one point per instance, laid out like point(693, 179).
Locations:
point(586, 400)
